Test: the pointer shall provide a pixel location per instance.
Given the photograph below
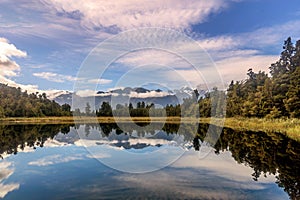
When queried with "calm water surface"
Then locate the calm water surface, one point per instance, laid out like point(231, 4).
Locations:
point(85, 162)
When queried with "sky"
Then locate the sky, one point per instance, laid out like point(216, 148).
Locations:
point(47, 45)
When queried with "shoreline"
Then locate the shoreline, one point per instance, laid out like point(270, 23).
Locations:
point(289, 127)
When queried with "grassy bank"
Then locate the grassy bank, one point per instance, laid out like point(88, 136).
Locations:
point(37, 120)
point(72, 120)
point(290, 127)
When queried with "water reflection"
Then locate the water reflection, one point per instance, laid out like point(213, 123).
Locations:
point(14, 138)
point(266, 154)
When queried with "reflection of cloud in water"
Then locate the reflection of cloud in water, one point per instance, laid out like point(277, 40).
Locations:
point(209, 178)
point(213, 177)
point(98, 155)
point(54, 143)
point(222, 164)
point(131, 142)
point(5, 172)
point(142, 160)
point(25, 149)
point(56, 159)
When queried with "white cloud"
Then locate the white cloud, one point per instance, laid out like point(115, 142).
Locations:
point(28, 87)
point(50, 76)
point(232, 54)
point(99, 81)
point(55, 159)
point(133, 13)
point(5, 172)
point(95, 143)
point(60, 78)
point(218, 43)
point(235, 68)
point(89, 93)
point(148, 94)
point(153, 56)
point(54, 143)
point(123, 15)
point(8, 50)
point(86, 93)
point(9, 68)
point(235, 53)
point(149, 141)
point(51, 94)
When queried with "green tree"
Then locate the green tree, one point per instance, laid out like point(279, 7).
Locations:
point(105, 110)
point(292, 101)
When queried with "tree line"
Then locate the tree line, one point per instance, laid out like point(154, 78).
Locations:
point(15, 103)
point(272, 96)
point(261, 95)
point(140, 110)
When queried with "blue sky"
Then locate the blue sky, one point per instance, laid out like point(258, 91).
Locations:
point(43, 43)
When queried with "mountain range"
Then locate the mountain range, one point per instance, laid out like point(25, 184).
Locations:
point(129, 95)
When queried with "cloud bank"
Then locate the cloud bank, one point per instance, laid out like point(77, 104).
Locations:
point(124, 15)
point(9, 68)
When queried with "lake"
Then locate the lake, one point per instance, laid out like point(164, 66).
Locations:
point(164, 161)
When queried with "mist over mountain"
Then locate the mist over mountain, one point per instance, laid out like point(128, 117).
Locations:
point(129, 95)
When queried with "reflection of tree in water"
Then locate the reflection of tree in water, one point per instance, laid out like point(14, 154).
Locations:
point(17, 137)
point(169, 128)
point(265, 153)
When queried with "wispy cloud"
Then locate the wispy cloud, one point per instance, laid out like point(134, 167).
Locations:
point(99, 81)
point(272, 35)
point(258, 39)
point(234, 54)
point(60, 78)
point(50, 76)
point(122, 15)
point(153, 56)
point(235, 68)
point(63, 23)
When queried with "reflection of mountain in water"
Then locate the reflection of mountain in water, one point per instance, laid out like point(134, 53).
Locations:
point(265, 153)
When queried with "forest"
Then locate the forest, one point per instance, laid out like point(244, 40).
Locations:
point(272, 96)
point(15, 103)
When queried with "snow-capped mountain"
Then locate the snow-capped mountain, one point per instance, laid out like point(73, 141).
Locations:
point(56, 93)
point(133, 95)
